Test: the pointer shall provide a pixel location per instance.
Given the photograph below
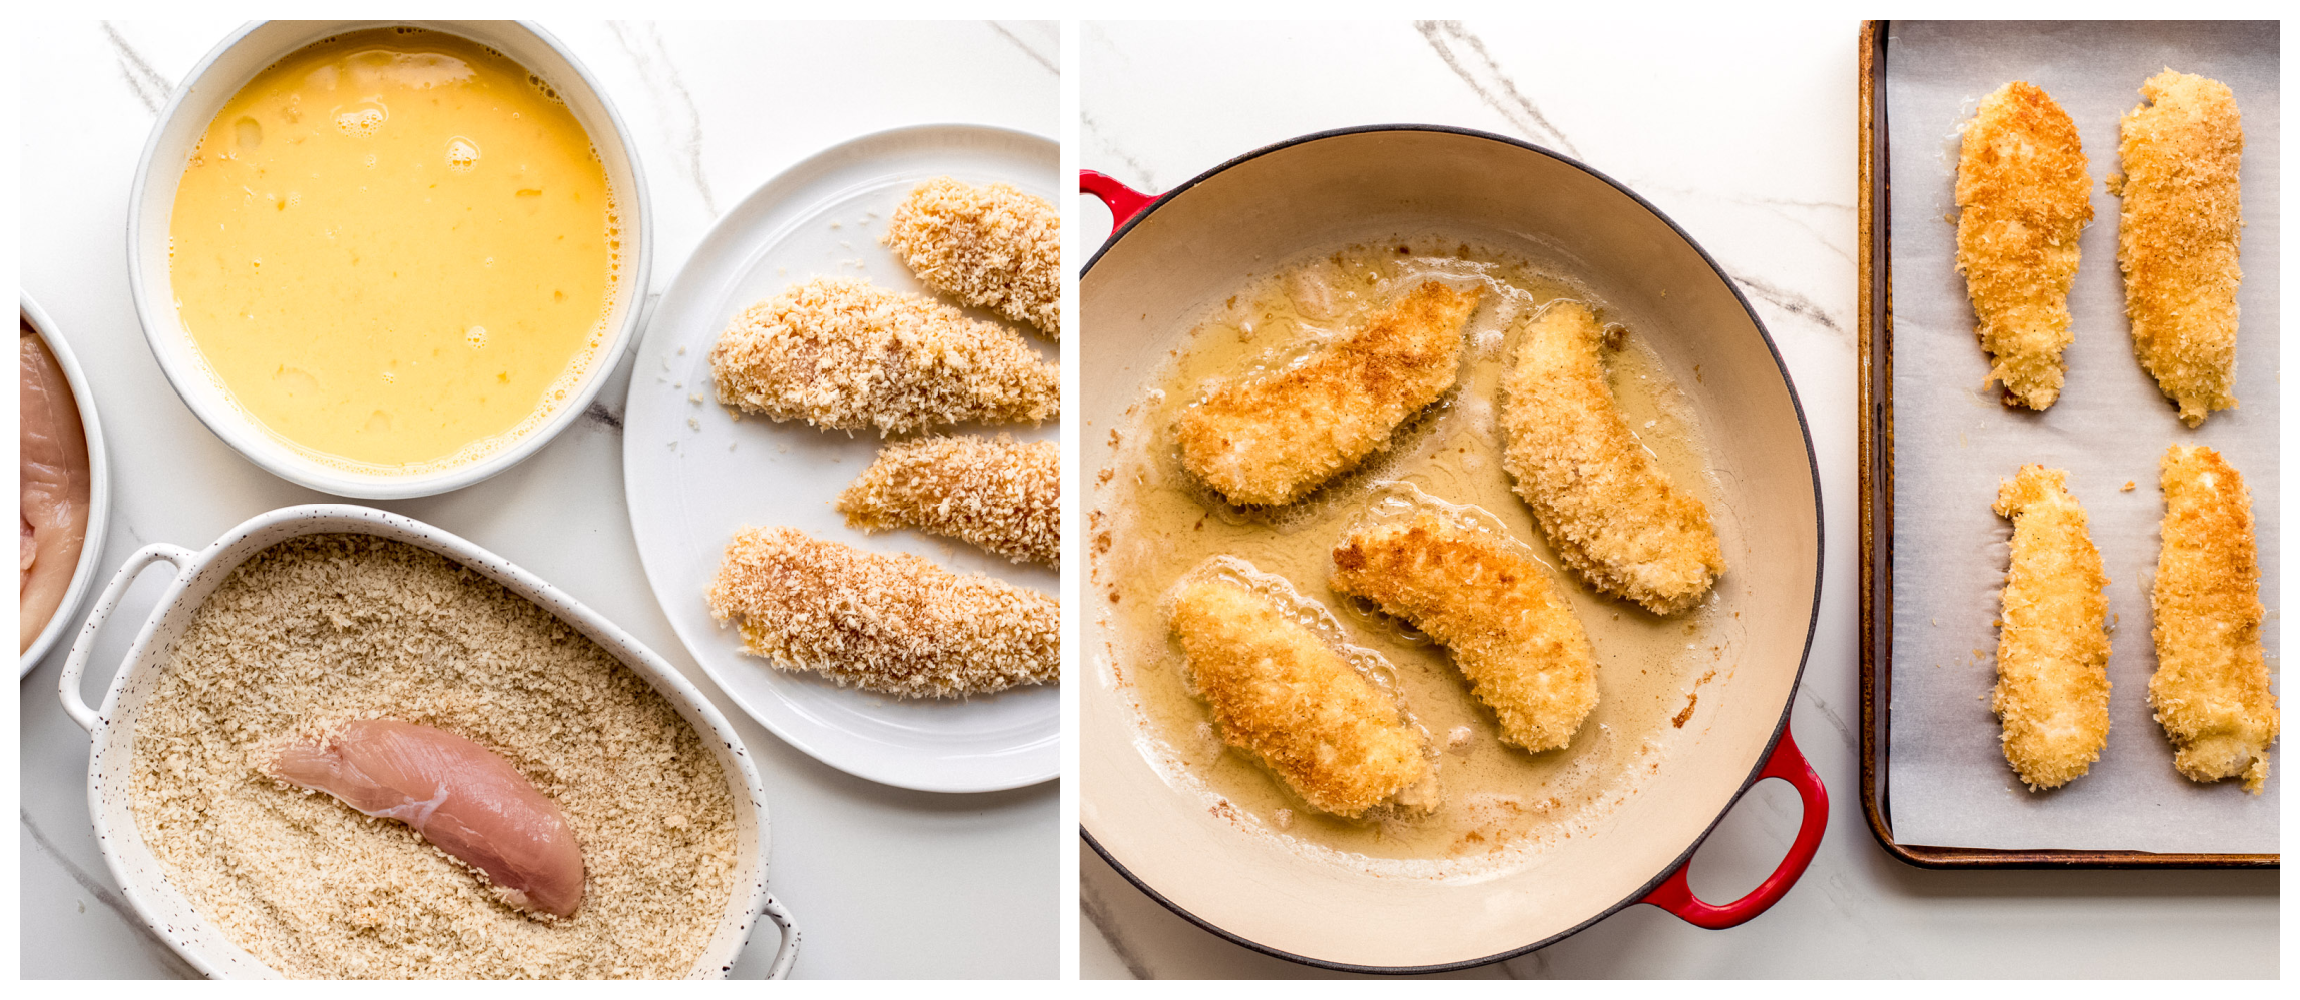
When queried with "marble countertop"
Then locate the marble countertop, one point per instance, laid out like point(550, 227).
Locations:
point(1744, 133)
point(886, 883)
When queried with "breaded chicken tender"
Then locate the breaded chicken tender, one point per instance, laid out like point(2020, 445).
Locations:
point(843, 354)
point(2024, 198)
point(1269, 438)
point(2052, 647)
point(2178, 240)
point(1511, 633)
point(1600, 497)
point(1000, 495)
point(894, 624)
point(2210, 691)
point(1282, 694)
point(990, 246)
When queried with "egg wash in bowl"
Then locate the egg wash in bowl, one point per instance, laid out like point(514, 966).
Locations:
point(396, 250)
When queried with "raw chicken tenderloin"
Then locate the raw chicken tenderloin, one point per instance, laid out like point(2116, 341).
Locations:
point(461, 796)
point(53, 486)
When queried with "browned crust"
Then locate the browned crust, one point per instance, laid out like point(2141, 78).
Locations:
point(1512, 635)
point(1270, 438)
point(990, 246)
point(2023, 198)
point(2179, 238)
point(1000, 495)
point(1601, 499)
point(2052, 647)
point(2210, 690)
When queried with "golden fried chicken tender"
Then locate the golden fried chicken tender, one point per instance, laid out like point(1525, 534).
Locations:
point(2052, 647)
point(2178, 240)
point(1281, 693)
point(2210, 691)
point(844, 354)
point(2024, 198)
point(1270, 438)
point(1600, 497)
point(1511, 633)
point(989, 246)
point(1001, 495)
point(895, 624)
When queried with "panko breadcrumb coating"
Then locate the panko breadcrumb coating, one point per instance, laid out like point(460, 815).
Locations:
point(1280, 693)
point(1000, 495)
point(990, 246)
point(895, 624)
point(1271, 437)
point(2024, 198)
point(2211, 685)
point(843, 354)
point(1511, 633)
point(1600, 497)
point(2178, 240)
point(2052, 650)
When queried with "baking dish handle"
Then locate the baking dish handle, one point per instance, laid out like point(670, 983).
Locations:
point(1676, 895)
point(68, 686)
point(786, 950)
point(1124, 202)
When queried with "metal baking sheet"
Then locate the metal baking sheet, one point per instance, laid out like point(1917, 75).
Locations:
point(1947, 781)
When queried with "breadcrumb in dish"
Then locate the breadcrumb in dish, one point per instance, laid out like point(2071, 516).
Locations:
point(843, 354)
point(895, 624)
point(2179, 237)
point(2052, 648)
point(1602, 500)
point(1510, 632)
point(2211, 688)
point(990, 246)
point(1270, 438)
point(1002, 496)
point(2023, 197)
point(1283, 694)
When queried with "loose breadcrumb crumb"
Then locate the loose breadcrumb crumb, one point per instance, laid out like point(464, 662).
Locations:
point(991, 246)
point(896, 624)
point(2052, 651)
point(2211, 688)
point(843, 354)
point(997, 494)
point(2023, 197)
point(2178, 240)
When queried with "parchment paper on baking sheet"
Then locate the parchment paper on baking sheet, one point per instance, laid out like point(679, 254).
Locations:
point(1948, 783)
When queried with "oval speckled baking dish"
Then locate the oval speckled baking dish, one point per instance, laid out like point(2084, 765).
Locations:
point(112, 727)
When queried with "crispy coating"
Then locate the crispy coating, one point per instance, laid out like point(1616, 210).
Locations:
point(1000, 495)
point(1511, 633)
point(843, 354)
point(1271, 437)
point(1280, 693)
point(991, 246)
point(2178, 240)
point(2024, 198)
point(2052, 647)
point(2210, 691)
point(895, 624)
point(1604, 503)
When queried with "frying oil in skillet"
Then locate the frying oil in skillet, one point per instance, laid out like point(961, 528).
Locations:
point(1152, 522)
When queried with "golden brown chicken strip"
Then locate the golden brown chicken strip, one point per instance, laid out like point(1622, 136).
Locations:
point(1604, 503)
point(1270, 438)
point(1002, 495)
point(2211, 685)
point(2178, 240)
point(895, 624)
point(990, 246)
point(2024, 198)
point(1282, 693)
point(1511, 633)
point(2052, 647)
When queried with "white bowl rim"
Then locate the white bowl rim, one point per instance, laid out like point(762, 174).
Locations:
point(256, 445)
point(99, 488)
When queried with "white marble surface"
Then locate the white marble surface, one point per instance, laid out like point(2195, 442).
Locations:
point(886, 883)
point(1744, 133)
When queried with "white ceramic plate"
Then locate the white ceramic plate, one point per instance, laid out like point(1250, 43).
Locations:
point(693, 475)
point(99, 490)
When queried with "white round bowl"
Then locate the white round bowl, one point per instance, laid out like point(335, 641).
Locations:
point(99, 490)
point(234, 63)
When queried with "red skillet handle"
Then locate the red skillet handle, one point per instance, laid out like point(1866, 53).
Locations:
point(1677, 897)
point(1124, 202)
